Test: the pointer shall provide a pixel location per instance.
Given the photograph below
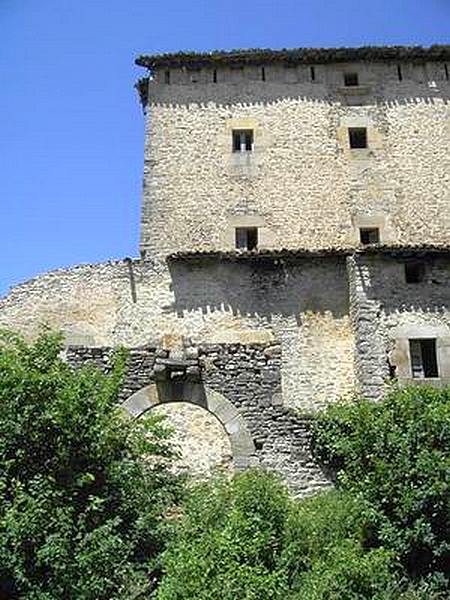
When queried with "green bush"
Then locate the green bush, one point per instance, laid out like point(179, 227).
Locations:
point(246, 540)
point(82, 512)
point(395, 455)
point(229, 542)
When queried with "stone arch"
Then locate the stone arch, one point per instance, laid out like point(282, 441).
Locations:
point(242, 445)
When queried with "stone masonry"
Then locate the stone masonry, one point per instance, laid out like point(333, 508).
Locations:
point(240, 346)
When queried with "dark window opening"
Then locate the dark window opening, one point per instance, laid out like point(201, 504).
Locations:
point(242, 140)
point(195, 75)
point(215, 76)
point(423, 358)
point(392, 371)
point(446, 71)
point(312, 72)
point(399, 73)
point(369, 235)
point(246, 238)
point(167, 77)
point(351, 79)
point(357, 137)
point(414, 272)
point(263, 74)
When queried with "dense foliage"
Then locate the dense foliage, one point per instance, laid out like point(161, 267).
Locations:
point(89, 507)
point(383, 534)
point(396, 455)
point(246, 540)
point(82, 513)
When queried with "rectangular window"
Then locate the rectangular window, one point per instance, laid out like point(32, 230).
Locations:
point(369, 235)
point(357, 137)
point(215, 76)
point(195, 75)
point(263, 74)
point(167, 77)
point(242, 140)
point(246, 238)
point(399, 73)
point(414, 272)
point(312, 72)
point(446, 72)
point(351, 79)
point(423, 358)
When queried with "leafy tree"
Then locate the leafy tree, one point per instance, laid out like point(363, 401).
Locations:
point(395, 455)
point(229, 542)
point(383, 534)
point(246, 540)
point(84, 490)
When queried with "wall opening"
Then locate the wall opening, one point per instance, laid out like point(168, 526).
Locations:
point(369, 235)
point(199, 438)
point(242, 140)
point(351, 79)
point(357, 137)
point(414, 272)
point(169, 393)
point(423, 358)
point(246, 238)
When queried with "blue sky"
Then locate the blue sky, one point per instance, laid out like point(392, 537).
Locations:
point(71, 141)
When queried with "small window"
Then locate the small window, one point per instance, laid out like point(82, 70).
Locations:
point(167, 77)
point(357, 137)
point(414, 272)
point(423, 358)
point(215, 76)
point(312, 72)
point(263, 74)
point(369, 235)
point(351, 79)
point(446, 71)
point(246, 238)
point(399, 73)
point(195, 75)
point(242, 140)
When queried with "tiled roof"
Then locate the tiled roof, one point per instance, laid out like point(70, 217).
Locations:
point(389, 249)
point(294, 56)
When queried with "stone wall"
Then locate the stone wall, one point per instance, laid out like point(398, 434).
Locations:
point(290, 298)
point(302, 185)
point(387, 312)
point(211, 301)
point(247, 376)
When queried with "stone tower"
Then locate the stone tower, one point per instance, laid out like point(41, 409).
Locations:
point(294, 249)
point(295, 149)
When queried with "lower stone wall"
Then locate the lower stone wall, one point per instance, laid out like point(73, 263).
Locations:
point(302, 302)
point(249, 377)
point(387, 311)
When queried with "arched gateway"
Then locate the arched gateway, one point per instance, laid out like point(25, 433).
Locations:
point(242, 446)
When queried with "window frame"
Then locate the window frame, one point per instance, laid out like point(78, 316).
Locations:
point(351, 79)
point(368, 230)
point(246, 232)
point(415, 272)
point(419, 358)
point(353, 133)
point(246, 144)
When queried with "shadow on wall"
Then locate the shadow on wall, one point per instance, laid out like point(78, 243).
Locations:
point(261, 287)
point(387, 284)
point(387, 95)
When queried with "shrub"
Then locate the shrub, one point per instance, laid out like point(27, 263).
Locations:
point(82, 512)
point(245, 540)
point(396, 455)
point(229, 542)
